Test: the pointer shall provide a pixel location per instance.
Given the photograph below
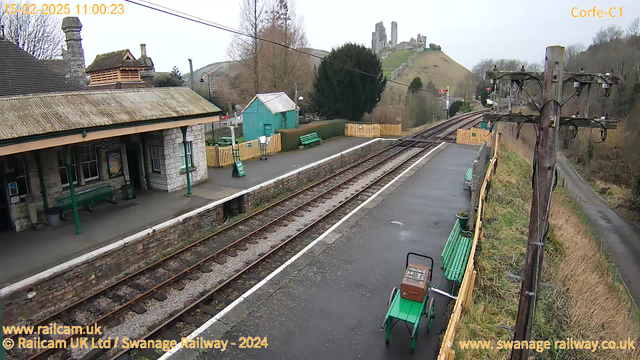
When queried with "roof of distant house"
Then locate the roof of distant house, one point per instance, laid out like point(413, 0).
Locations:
point(21, 73)
point(31, 115)
point(276, 102)
point(114, 60)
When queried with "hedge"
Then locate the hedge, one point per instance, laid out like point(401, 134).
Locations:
point(326, 129)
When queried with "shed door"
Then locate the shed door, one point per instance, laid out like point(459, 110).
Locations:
point(268, 130)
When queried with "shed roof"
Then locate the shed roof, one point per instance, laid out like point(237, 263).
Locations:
point(114, 60)
point(30, 115)
point(276, 102)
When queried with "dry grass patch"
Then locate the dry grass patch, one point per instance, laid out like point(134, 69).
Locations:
point(578, 299)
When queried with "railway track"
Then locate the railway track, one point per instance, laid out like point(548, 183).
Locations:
point(196, 282)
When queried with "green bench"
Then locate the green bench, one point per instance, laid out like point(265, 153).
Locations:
point(310, 139)
point(456, 253)
point(87, 198)
point(468, 177)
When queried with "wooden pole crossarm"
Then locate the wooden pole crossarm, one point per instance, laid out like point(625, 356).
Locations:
point(609, 124)
point(517, 75)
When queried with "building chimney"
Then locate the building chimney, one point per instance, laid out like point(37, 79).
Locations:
point(149, 70)
point(74, 55)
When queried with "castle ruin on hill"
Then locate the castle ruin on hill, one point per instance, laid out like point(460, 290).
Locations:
point(380, 44)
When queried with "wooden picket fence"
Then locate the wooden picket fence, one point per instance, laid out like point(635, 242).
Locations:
point(223, 156)
point(466, 288)
point(473, 136)
point(372, 130)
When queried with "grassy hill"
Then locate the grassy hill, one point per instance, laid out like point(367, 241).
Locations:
point(428, 65)
point(394, 60)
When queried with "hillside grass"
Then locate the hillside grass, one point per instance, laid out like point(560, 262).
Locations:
point(429, 65)
point(579, 297)
point(394, 60)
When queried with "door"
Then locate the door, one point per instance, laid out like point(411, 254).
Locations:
point(268, 130)
point(134, 166)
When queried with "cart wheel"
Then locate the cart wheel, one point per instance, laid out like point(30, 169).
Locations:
point(430, 313)
point(393, 292)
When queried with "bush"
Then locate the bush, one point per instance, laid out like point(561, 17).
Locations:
point(326, 129)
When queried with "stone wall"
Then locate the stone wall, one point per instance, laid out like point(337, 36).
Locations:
point(52, 181)
point(175, 174)
point(301, 179)
point(99, 271)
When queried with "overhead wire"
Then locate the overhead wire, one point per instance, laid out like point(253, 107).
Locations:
point(192, 18)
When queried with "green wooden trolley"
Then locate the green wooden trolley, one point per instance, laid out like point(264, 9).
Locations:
point(409, 311)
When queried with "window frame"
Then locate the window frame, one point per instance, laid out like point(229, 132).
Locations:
point(20, 162)
point(189, 153)
point(83, 162)
point(64, 165)
point(156, 157)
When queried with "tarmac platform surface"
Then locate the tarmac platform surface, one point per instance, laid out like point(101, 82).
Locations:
point(29, 252)
point(331, 301)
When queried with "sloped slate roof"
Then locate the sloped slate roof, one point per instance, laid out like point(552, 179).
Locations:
point(113, 60)
point(30, 115)
point(21, 73)
point(276, 102)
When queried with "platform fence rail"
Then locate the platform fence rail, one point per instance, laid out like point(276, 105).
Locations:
point(372, 130)
point(222, 156)
point(473, 136)
point(463, 302)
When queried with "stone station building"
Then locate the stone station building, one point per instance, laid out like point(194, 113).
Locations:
point(134, 137)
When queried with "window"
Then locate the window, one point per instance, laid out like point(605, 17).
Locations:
point(189, 154)
point(19, 166)
point(89, 163)
point(62, 168)
point(156, 159)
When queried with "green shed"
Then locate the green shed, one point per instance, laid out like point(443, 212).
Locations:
point(267, 113)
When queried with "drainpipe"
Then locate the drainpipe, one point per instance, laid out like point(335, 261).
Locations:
point(43, 189)
point(72, 192)
point(186, 157)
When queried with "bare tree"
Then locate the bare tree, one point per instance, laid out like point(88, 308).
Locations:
point(246, 49)
point(634, 27)
point(571, 53)
point(286, 67)
point(38, 34)
point(480, 69)
point(610, 34)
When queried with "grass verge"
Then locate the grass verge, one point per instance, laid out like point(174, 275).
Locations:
point(579, 298)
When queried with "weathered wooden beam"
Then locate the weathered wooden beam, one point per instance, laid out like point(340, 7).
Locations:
point(564, 120)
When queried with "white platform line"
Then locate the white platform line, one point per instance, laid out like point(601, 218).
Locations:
point(239, 300)
point(176, 220)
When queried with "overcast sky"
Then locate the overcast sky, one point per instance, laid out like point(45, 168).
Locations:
point(468, 31)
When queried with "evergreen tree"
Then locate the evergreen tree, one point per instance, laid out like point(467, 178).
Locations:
point(175, 72)
point(416, 84)
point(340, 92)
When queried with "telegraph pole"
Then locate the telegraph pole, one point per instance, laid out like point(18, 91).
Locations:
point(547, 129)
point(543, 183)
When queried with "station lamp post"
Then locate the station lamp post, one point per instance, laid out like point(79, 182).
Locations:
point(209, 77)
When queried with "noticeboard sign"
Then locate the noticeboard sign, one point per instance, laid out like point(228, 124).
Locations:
point(238, 169)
